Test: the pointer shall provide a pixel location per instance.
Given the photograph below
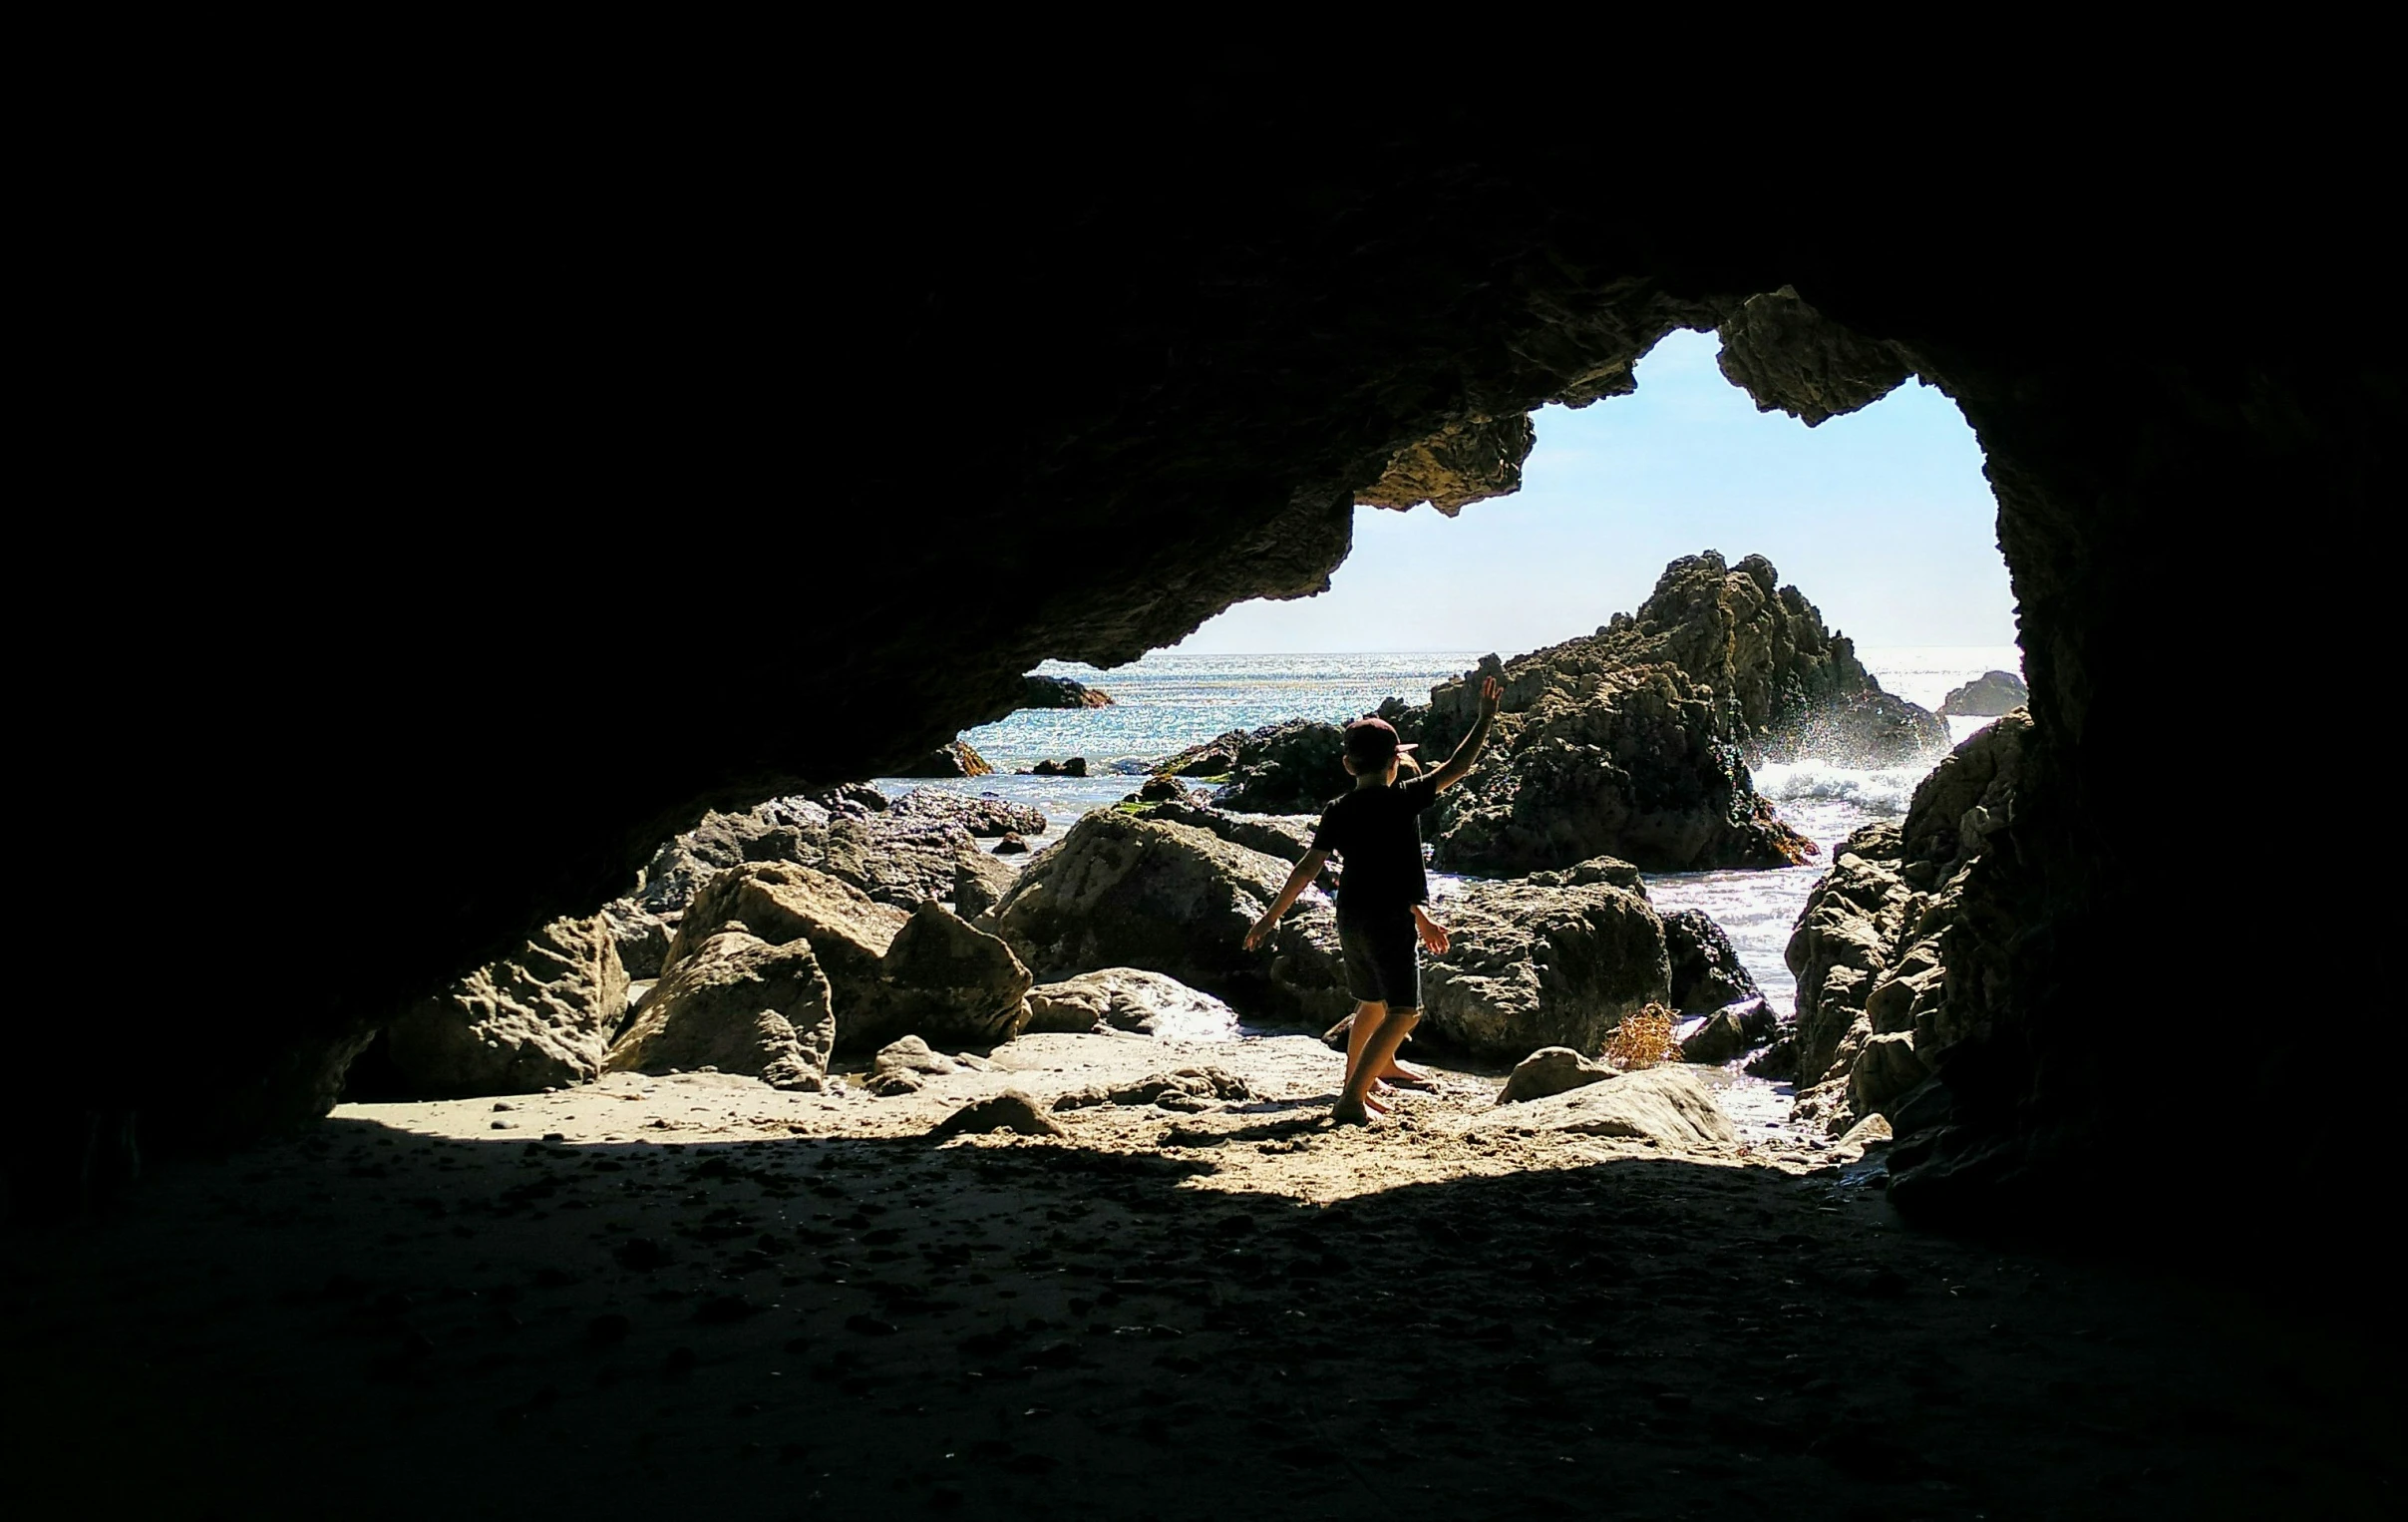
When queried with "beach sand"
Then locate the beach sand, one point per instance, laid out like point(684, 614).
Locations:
point(697, 1296)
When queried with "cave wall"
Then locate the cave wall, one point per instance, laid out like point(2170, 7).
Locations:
point(573, 512)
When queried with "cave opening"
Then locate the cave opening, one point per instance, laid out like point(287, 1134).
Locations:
point(1195, 393)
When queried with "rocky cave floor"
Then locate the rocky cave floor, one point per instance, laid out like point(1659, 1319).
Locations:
point(698, 1296)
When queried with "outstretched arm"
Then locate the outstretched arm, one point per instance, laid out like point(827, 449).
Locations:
point(1307, 870)
point(1459, 765)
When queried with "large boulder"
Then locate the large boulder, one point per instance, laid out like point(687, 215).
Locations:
point(980, 881)
point(1884, 989)
point(1125, 892)
point(1986, 696)
point(737, 1004)
point(1548, 1071)
point(541, 1019)
point(1531, 965)
point(943, 979)
point(780, 901)
point(1130, 1000)
point(930, 973)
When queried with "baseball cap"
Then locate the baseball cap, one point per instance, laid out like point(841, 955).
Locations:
point(1372, 740)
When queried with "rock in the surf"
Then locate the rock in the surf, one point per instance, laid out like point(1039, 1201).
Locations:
point(1125, 892)
point(1295, 767)
point(1532, 967)
point(1130, 1000)
point(1706, 971)
point(1986, 696)
point(1060, 693)
point(539, 1020)
point(738, 1003)
point(956, 758)
point(986, 815)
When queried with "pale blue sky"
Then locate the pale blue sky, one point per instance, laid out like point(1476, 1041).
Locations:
point(1881, 518)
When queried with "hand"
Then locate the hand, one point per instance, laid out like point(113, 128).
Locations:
point(1434, 935)
point(1491, 694)
point(1261, 931)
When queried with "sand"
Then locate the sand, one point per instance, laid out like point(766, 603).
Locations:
point(697, 1296)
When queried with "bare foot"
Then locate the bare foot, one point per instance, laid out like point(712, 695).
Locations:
point(1409, 1077)
point(1374, 1106)
point(1345, 1114)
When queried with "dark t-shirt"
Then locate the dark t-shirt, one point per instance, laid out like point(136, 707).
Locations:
point(1377, 835)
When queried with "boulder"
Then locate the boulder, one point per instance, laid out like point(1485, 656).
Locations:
point(930, 972)
point(944, 979)
point(1295, 767)
point(1060, 693)
point(780, 901)
point(641, 936)
point(1011, 845)
point(1706, 970)
point(903, 1065)
point(1725, 1035)
point(1670, 1106)
point(740, 1005)
point(1162, 790)
point(986, 815)
point(956, 758)
point(1130, 1000)
point(1125, 892)
point(541, 1019)
point(1986, 696)
point(1286, 836)
point(1532, 967)
point(1076, 766)
point(980, 881)
point(1551, 1071)
point(1008, 1111)
point(1307, 973)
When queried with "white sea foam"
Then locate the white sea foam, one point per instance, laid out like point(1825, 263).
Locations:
point(1879, 791)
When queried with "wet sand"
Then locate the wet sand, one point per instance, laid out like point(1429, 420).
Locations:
point(696, 1295)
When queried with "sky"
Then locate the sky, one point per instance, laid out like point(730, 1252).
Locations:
point(1882, 518)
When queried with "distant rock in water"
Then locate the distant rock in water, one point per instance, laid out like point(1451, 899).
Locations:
point(1295, 767)
point(1076, 766)
point(954, 759)
point(1986, 696)
point(1061, 693)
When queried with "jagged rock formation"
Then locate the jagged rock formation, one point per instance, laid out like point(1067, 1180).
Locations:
point(1461, 464)
point(1200, 381)
point(1061, 693)
point(1792, 358)
point(1877, 1000)
point(544, 1019)
point(740, 1005)
point(1986, 696)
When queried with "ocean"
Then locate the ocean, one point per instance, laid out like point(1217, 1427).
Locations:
point(1167, 702)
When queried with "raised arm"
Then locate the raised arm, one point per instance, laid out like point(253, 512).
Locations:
point(1307, 870)
point(1459, 765)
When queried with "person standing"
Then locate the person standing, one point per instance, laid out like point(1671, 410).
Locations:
point(1375, 832)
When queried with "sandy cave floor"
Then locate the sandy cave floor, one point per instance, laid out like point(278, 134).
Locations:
point(653, 1297)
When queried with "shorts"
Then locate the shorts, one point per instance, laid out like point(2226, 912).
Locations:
point(1383, 956)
